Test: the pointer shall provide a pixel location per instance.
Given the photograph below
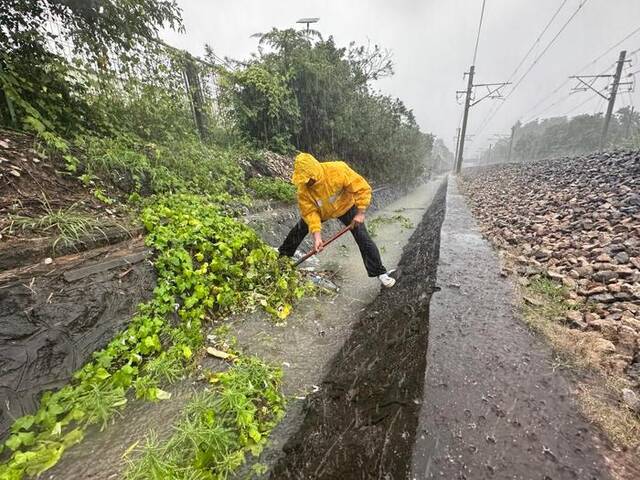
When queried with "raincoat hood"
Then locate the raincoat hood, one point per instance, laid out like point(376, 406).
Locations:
point(306, 167)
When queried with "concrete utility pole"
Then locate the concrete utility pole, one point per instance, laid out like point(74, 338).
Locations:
point(584, 85)
point(513, 131)
point(194, 90)
point(493, 91)
point(455, 157)
point(467, 104)
point(612, 97)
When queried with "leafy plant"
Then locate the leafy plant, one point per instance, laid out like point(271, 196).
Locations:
point(373, 225)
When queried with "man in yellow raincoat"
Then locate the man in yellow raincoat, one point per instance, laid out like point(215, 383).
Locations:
point(333, 190)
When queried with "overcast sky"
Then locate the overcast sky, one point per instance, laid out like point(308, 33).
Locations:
point(432, 43)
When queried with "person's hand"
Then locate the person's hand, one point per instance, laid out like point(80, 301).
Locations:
point(318, 244)
point(358, 219)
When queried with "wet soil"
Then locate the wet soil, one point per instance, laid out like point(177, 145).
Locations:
point(54, 316)
point(26, 175)
point(33, 185)
point(495, 406)
point(361, 423)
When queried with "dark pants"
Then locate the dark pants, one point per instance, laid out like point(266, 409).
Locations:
point(368, 249)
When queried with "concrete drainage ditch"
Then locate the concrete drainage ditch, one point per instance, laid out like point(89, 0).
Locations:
point(362, 421)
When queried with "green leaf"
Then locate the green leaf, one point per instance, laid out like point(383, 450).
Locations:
point(186, 352)
point(17, 440)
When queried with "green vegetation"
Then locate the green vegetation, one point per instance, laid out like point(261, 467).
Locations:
point(135, 167)
point(311, 95)
point(67, 225)
point(208, 264)
point(273, 188)
point(557, 136)
point(373, 225)
point(218, 427)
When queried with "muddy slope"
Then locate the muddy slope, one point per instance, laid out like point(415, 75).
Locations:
point(361, 424)
point(52, 317)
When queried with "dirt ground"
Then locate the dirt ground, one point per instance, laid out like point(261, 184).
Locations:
point(33, 185)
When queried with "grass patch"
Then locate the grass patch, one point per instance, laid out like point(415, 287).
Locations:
point(218, 428)
point(600, 405)
point(376, 223)
point(273, 189)
point(544, 310)
point(135, 166)
point(66, 225)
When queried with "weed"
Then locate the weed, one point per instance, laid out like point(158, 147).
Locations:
point(99, 403)
point(167, 369)
point(137, 166)
point(218, 427)
point(273, 188)
point(553, 298)
point(600, 406)
point(374, 224)
point(67, 225)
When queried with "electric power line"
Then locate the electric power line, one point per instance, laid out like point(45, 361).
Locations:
point(587, 65)
point(580, 105)
point(475, 50)
point(535, 62)
point(495, 109)
point(563, 99)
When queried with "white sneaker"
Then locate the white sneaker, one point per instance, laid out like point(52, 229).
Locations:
point(386, 280)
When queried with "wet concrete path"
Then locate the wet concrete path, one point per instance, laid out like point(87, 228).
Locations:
point(493, 407)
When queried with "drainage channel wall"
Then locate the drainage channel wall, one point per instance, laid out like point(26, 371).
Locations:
point(361, 423)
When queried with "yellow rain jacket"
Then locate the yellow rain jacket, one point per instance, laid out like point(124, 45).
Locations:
point(336, 190)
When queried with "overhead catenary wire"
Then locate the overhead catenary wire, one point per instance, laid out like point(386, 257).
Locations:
point(525, 57)
point(475, 50)
point(563, 99)
point(582, 69)
point(587, 100)
point(535, 62)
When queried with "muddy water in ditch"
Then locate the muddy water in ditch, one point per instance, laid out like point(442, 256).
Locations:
point(314, 333)
point(361, 423)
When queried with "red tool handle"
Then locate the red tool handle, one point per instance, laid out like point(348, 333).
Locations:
point(332, 239)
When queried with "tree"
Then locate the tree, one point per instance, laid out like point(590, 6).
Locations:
point(320, 99)
point(557, 136)
point(43, 85)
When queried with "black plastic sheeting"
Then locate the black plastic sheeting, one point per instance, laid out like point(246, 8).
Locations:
point(49, 326)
